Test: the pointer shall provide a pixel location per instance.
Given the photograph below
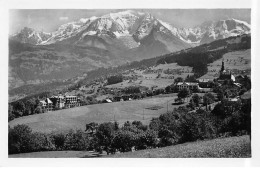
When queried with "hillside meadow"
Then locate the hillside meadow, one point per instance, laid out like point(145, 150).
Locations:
point(76, 118)
point(237, 60)
point(217, 148)
point(232, 147)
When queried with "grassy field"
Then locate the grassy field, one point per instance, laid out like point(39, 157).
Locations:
point(150, 79)
point(232, 147)
point(76, 118)
point(240, 60)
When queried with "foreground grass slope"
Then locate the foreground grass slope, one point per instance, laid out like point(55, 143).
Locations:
point(52, 154)
point(232, 147)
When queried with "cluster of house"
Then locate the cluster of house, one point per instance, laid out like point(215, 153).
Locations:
point(125, 97)
point(60, 102)
point(223, 76)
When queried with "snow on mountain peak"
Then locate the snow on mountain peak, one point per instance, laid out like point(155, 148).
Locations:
point(83, 20)
point(136, 24)
point(31, 36)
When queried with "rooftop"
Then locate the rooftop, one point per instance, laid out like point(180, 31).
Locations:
point(48, 101)
point(187, 83)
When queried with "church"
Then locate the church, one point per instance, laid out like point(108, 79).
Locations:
point(225, 75)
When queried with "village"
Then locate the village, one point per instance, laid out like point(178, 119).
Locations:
point(119, 92)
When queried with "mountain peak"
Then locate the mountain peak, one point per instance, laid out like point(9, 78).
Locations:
point(31, 36)
point(137, 25)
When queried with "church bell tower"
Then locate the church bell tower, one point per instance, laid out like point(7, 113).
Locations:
point(222, 67)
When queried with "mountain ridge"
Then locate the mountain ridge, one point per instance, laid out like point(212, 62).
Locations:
point(139, 25)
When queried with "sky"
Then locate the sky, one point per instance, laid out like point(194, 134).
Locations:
point(48, 20)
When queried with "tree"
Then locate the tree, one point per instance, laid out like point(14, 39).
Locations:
point(171, 89)
point(191, 105)
point(104, 136)
point(58, 139)
point(155, 124)
point(38, 110)
point(76, 141)
point(232, 117)
point(178, 79)
point(114, 79)
point(29, 107)
point(139, 125)
point(127, 124)
point(190, 78)
point(123, 141)
point(132, 89)
point(208, 98)
point(19, 108)
point(196, 99)
point(20, 139)
point(184, 93)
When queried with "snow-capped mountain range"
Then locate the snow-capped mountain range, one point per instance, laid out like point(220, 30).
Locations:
point(36, 57)
point(130, 29)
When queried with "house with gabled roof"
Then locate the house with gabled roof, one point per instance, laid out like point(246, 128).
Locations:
point(49, 105)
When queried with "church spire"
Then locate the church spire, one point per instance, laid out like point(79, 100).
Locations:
point(222, 67)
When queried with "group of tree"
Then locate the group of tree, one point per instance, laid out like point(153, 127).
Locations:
point(114, 79)
point(197, 60)
point(24, 108)
point(21, 139)
point(106, 136)
point(132, 89)
point(179, 126)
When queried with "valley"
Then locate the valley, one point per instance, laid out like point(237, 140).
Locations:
point(127, 80)
point(77, 47)
point(76, 118)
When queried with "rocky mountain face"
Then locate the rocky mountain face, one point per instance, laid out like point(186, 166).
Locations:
point(113, 39)
point(214, 30)
point(130, 28)
point(31, 36)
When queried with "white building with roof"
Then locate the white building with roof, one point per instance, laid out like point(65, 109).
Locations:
point(187, 85)
point(71, 101)
point(58, 101)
